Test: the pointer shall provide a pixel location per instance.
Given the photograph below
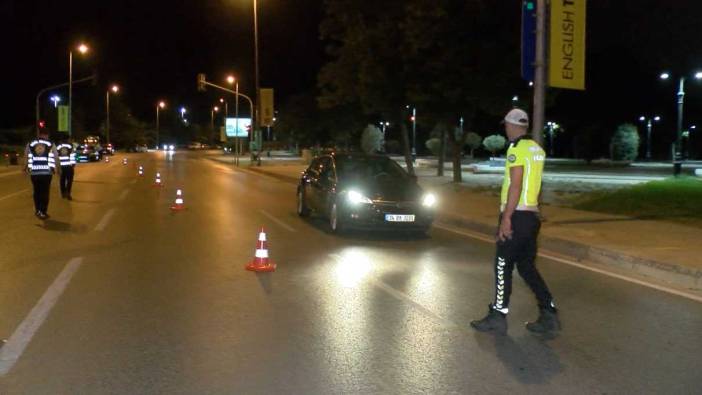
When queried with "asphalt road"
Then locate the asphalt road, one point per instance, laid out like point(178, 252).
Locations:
point(118, 295)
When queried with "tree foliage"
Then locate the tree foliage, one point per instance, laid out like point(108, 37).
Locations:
point(371, 139)
point(494, 143)
point(625, 143)
point(473, 141)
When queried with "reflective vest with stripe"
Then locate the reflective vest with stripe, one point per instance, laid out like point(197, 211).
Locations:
point(40, 157)
point(67, 157)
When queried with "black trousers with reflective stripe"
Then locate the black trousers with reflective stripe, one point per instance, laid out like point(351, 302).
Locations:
point(66, 180)
point(42, 187)
point(519, 251)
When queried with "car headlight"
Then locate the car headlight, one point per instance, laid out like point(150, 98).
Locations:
point(429, 200)
point(355, 197)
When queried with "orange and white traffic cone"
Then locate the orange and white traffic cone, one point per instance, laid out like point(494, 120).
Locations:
point(261, 261)
point(124, 161)
point(157, 181)
point(141, 171)
point(107, 159)
point(179, 203)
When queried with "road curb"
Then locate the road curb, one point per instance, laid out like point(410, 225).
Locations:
point(674, 274)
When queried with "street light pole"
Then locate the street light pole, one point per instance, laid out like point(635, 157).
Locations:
point(70, 94)
point(114, 89)
point(257, 76)
point(677, 161)
point(414, 133)
point(159, 106)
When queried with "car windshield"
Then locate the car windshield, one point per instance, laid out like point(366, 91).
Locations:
point(368, 168)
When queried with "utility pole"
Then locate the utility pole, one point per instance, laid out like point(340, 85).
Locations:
point(537, 119)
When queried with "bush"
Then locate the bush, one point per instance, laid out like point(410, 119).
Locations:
point(371, 139)
point(473, 141)
point(625, 143)
point(434, 145)
point(494, 143)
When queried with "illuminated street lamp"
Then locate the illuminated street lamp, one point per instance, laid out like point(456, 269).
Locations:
point(212, 113)
point(114, 89)
point(159, 106)
point(56, 99)
point(677, 152)
point(83, 49)
point(233, 81)
point(649, 127)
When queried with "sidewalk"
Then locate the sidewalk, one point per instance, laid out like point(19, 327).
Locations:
point(660, 250)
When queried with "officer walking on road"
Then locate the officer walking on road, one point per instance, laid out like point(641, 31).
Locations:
point(518, 230)
point(41, 165)
point(67, 160)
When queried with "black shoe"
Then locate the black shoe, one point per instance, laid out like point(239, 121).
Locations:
point(69, 197)
point(493, 321)
point(38, 214)
point(63, 195)
point(547, 321)
point(43, 215)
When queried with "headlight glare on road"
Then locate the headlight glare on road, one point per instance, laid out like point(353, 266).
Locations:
point(429, 200)
point(356, 197)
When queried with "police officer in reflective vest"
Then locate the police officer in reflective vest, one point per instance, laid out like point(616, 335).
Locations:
point(67, 160)
point(519, 229)
point(41, 165)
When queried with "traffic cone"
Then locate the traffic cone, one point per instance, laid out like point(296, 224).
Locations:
point(261, 262)
point(157, 181)
point(107, 159)
point(141, 171)
point(179, 203)
point(124, 161)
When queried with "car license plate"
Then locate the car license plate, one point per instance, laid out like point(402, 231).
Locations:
point(399, 218)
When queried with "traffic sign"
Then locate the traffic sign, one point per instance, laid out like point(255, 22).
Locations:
point(528, 39)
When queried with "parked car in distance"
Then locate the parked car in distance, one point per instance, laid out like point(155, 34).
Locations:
point(87, 153)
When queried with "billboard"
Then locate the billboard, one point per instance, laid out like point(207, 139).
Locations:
point(63, 118)
point(566, 63)
point(238, 129)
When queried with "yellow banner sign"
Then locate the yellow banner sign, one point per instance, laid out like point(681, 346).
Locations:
point(566, 65)
point(266, 103)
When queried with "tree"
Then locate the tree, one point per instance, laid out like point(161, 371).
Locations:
point(494, 143)
point(434, 145)
point(473, 141)
point(625, 143)
point(371, 139)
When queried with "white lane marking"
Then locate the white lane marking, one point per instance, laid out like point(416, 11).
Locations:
point(277, 221)
point(662, 288)
point(13, 349)
point(403, 297)
point(10, 173)
point(123, 195)
point(13, 194)
point(105, 220)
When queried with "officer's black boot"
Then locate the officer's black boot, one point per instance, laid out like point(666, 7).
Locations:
point(547, 321)
point(493, 321)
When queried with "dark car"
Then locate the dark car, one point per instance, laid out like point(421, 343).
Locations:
point(357, 191)
point(87, 153)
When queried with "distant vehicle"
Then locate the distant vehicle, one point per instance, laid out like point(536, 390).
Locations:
point(141, 148)
point(87, 153)
point(195, 145)
point(107, 149)
point(357, 191)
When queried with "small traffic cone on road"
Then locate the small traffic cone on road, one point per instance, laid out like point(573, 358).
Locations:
point(261, 262)
point(179, 203)
point(124, 161)
point(107, 159)
point(157, 181)
point(141, 171)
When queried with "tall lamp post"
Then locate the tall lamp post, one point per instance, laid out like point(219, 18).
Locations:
point(649, 128)
point(160, 106)
point(677, 152)
point(233, 81)
point(82, 48)
point(212, 114)
point(114, 89)
point(257, 76)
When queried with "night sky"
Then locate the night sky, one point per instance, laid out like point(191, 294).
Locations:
point(154, 49)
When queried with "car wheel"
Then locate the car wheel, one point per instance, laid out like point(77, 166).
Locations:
point(335, 224)
point(302, 209)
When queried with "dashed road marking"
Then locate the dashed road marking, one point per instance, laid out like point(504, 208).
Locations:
point(277, 221)
point(13, 194)
point(105, 220)
point(123, 195)
point(13, 349)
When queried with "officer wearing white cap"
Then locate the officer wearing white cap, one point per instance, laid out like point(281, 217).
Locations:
point(41, 165)
point(519, 229)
